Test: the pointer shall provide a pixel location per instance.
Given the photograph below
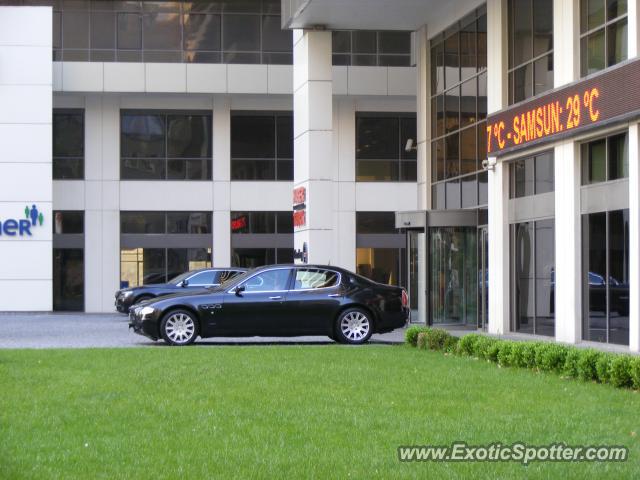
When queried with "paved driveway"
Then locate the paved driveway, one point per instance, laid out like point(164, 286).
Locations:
point(82, 330)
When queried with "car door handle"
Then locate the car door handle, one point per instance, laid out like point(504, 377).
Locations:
point(278, 297)
point(332, 295)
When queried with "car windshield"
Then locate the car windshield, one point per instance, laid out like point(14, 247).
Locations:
point(179, 278)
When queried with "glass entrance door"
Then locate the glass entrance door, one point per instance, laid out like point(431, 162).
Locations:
point(453, 275)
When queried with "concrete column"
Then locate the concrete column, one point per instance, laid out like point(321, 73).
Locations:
point(568, 269)
point(312, 112)
point(344, 187)
point(221, 181)
point(423, 120)
point(25, 159)
point(498, 178)
point(634, 237)
point(566, 41)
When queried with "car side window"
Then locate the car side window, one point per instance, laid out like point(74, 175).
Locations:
point(313, 278)
point(201, 279)
point(268, 281)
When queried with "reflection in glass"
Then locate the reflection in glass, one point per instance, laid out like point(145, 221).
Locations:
point(68, 279)
point(145, 266)
point(533, 267)
point(382, 265)
point(453, 277)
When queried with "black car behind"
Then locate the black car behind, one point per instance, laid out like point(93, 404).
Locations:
point(186, 282)
point(278, 300)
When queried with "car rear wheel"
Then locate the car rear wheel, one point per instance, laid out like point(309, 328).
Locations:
point(354, 326)
point(179, 327)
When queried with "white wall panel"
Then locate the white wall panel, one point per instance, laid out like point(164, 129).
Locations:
point(386, 197)
point(166, 77)
point(17, 143)
point(36, 65)
point(124, 77)
point(261, 195)
point(83, 76)
point(203, 78)
point(25, 104)
point(247, 78)
point(169, 195)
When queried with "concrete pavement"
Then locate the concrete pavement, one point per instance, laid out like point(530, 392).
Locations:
point(84, 330)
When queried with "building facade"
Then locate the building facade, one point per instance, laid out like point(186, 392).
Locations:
point(482, 154)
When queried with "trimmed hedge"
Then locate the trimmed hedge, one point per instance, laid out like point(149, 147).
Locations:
point(587, 364)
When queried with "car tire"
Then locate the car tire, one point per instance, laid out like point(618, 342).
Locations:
point(354, 326)
point(179, 328)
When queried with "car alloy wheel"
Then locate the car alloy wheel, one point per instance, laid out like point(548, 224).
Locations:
point(354, 326)
point(179, 328)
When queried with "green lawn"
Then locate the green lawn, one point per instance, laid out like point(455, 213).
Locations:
point(290, 412)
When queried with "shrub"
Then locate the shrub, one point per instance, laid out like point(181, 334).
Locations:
point(587, 364)
point(492, 351)
point(529, 354)
point(436, 338)
point(571, 363)
point(411, 335)
point(620, 371)
point(603, 367)
point(467, 344)
point(451, 344)
point(634, 370)
point(421, 342)
point(505, 354)
point(483, 347)
point(550, 357)
point(517, 356)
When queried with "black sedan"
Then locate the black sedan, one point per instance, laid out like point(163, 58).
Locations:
point(277, 300)
point(195, 279)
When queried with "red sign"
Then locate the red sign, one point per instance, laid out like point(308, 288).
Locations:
point(299, 218)
point(607, 97)
point(299, 195)
point(238, 223)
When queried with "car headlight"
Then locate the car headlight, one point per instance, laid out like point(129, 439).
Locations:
point(146, 311)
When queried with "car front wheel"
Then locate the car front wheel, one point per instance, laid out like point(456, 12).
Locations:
point(179, 327)
point(354, 326)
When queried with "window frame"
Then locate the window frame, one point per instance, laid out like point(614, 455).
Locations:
point(584, 34)
point(58, 158)
point(166, 158)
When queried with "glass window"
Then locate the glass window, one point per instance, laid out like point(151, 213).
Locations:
point(533, 265)
point(202, 32)
point(68, 279)
point(268, 281)
point(459, 105)
point(274, 39)
point(382, 265)
point(68, 145)
point(371, 48)
point(165, 146)
point(202, 278)
point(380, 147)
point(532, 175)
point(142, 222)
point(129, 31)
point(161, 31)
point(68, 222)
point(241, 33)
point(605, 159)
point(262, 146)
point(145, 266)
point(189, 222)
point(309, 279)
point(375, 222)
point(605, 273)
point(530, 48)
point(103, 30)
point(603, 34)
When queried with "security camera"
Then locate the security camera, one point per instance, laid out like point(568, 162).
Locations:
point(489, 163)
point(409, 146)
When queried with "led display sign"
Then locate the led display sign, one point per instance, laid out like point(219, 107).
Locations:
point(607, 97)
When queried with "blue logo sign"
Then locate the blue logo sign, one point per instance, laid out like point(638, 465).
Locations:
point(12, 227)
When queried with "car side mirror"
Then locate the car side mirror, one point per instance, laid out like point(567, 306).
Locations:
point(185, 283)
point(239, 289)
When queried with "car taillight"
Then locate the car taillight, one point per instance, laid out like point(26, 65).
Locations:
point(405, 298)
